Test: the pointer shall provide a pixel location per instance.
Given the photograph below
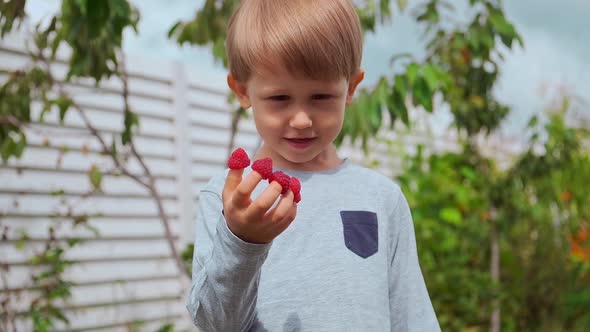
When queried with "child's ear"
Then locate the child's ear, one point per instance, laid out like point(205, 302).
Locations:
point(240, 91)
point(353, 84)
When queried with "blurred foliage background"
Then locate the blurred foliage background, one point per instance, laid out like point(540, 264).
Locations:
point(501, 247)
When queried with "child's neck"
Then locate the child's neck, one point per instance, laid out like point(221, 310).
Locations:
point(326, 160)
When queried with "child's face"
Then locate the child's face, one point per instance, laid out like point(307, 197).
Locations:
point(297, 118)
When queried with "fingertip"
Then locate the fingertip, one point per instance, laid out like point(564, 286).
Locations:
point(256, 175)
point(235, 172)
point(232, 180)
point(234, 177)
point(276, 187)
point(252, 180)
point(289, 194)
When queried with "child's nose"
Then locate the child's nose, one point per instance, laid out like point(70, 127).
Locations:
point(300, 120)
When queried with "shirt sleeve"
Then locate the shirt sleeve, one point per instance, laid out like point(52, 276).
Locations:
point(225, 272)
point(410, 305)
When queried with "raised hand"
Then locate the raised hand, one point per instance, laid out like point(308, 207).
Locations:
point(254, 221)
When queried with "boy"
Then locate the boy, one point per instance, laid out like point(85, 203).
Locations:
point(344, 258)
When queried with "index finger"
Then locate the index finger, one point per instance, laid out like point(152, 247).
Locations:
point(241, 195)
point(233, 179)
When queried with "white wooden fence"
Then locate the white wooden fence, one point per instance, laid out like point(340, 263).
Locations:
point(125, 278)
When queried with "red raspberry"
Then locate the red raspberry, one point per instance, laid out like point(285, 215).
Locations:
point(282, 178)
point(296, 189)
point(263, 167)
point(238, 159)
point(295, 185)
point(297, 198)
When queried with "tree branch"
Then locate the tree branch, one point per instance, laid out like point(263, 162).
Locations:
point(11, 120)
point(151, 184)
point(105, 147)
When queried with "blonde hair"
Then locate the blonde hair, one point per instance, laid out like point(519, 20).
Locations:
point(321, 39)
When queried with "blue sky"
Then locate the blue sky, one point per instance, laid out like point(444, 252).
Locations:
point(556, 35)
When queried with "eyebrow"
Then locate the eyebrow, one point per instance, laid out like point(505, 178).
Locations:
point(273, 91)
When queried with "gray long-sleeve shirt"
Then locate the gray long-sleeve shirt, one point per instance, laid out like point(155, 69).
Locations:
point(348, 262)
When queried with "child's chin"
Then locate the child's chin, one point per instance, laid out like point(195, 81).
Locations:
point(300, 159)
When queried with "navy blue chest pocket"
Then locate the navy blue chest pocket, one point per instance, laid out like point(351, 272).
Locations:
point(361, 235)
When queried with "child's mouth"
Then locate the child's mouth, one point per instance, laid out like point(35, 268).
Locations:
point(301, 143)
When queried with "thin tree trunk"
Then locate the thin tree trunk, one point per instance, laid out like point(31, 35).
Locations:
point(495, 274)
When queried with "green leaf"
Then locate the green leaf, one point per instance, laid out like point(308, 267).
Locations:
point(451, 215)
point(487, 40)
point(125, 137)
point(500, 24)
point(35, 260)
point(20, 244)
point(93, 229)
point(82, 6)
point(166, 328)
point(8, 148)
point(114, 148)
point(63, 293)
point(19, 146)
point(63, 103)
point(422, 94)
point(474, 41)
point(40, 323)
point(505, 29)
point(95, 176)
point(173, 29)
point(469, 173)
point(218, 51)
point(401, 84)
point(73, 242)
point(449, 243)
point(60, 192)
point(46, 109)
point(12, 12)
point(431, 77)
point(130, 121)
point(397, 108)
point(533, 122)
point(120, 8)
point(462, 195)
point(412, 73)
point(80, 219)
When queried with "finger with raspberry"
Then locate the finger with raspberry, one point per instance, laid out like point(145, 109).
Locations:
point(264, 167)
point(238, 159)
point(282, 178)
point(295, 186)
point(249, 219)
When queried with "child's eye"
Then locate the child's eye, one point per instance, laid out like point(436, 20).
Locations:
point(321, 96)
point(279, 98)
